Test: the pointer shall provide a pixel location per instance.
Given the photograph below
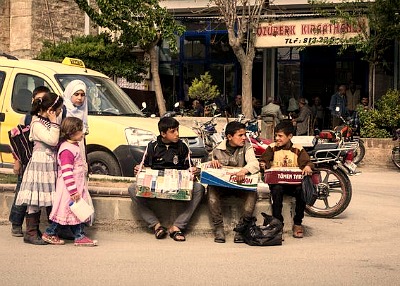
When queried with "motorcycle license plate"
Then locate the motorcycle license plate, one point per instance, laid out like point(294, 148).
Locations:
point(351, 166)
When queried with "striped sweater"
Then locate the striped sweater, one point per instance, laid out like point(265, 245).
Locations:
point(67, 159)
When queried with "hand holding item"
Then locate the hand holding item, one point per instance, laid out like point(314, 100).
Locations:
point(215, 164)
point(136, 169)
point(75, 197)
point(307, 171)
point(240, 176)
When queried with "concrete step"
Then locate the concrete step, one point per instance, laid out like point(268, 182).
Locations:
point(117, 212)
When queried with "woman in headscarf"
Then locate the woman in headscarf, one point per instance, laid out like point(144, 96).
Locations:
point(75, 101)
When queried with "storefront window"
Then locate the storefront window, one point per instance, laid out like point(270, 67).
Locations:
point(195, 47)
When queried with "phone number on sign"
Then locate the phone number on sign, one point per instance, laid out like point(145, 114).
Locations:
point(313, 40)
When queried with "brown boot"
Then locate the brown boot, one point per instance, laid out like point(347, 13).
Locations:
point(32, 225)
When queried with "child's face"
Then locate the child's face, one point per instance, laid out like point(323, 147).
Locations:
point(238, 139)
point(77, 136)
point(281, 139)
point(78, 98)
point(171, 136)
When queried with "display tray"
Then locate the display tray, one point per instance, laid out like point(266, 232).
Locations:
point(288, 176)
point(165, 184)
point(224, 177)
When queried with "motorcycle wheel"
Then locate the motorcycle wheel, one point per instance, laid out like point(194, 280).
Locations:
point(359, 153)
point(334, 193)
point(396, 156)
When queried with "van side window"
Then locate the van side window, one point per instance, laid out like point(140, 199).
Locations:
point(23, 86)
point(2, 77)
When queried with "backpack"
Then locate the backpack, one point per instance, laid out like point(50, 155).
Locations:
point(268, 234)
point(309, 191)
point(21, 146)
point(19, 140)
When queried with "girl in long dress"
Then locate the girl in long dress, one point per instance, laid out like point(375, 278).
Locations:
point(39, 179)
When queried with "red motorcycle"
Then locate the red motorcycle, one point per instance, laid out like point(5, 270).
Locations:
point(344, 135)
point(253, 135)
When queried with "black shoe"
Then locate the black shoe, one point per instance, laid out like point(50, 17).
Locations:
point(219, 235)
point(16, 230)
point(238, 238)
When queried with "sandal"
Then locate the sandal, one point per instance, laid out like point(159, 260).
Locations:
point(160, 232)
point(175, 235)
point(298, 231)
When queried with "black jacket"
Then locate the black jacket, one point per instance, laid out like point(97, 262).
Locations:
point(162, 156)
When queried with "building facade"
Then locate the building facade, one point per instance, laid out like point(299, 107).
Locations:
point(283, 71)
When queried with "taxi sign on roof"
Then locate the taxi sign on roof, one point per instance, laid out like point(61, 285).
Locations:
point(73, 62)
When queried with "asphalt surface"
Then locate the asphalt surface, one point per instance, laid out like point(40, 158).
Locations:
point(359, 247)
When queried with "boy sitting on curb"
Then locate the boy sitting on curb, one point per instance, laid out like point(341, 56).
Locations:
point(280, 154)
point(167, 152)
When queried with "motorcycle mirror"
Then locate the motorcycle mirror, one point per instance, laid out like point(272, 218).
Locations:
point(176, 104)
point(144, 105)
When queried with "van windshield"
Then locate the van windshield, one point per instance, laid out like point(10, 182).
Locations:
point(104, 96)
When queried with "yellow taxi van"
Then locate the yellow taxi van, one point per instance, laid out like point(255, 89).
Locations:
point(119, 132)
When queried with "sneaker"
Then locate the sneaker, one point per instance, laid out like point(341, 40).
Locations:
point(16, 230)
point(85, 241)
point(52, 239)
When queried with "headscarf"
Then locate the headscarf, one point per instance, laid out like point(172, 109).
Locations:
point(80, 112)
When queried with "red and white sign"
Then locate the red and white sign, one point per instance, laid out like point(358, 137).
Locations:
point(304, 32)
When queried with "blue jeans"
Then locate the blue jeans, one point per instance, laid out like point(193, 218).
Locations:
point(17, 213)
point(77, 230)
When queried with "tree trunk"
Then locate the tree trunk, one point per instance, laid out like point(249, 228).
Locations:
point(247, 95)
point(156, 80)
point(371, 102)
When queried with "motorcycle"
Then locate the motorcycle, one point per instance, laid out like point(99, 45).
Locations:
point(253, 135)
point(334, 189)
point(345, 135)
point(396, 149)
point(208, 133)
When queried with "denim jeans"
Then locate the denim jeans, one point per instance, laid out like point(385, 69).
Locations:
point(181, 221)
point(17, 213)
point(51, 230)
point(77, 230)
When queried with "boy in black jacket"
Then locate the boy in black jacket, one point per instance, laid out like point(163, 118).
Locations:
point(167, 152)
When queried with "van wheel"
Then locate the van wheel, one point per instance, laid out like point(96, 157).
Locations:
point(102, 163)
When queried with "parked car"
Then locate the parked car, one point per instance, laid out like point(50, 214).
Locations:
point(119, 132)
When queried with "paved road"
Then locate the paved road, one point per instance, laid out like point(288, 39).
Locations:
point(360, 247)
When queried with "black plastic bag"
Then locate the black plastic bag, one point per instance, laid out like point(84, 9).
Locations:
point(268, 234)
point(309, 191)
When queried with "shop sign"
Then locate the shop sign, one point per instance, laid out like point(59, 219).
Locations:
point(304, 32)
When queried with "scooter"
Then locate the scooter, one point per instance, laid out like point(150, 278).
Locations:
point(208, 133)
